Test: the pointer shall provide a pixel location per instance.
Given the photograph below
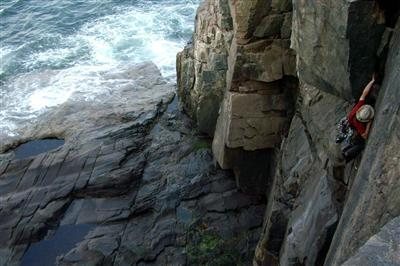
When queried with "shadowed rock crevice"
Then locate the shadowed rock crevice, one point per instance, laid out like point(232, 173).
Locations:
point(391, 10)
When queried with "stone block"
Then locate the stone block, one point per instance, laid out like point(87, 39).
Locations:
point(258, 87)
point(219, 61)
point(254, 105)
point(253, 121)
point(202, 66)
point(261, 61)
point(246, 16)
point(255, 133)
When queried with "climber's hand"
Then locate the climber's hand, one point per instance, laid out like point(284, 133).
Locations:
point(364, 135)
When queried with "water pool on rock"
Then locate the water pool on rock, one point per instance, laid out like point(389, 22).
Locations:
point(36, 147)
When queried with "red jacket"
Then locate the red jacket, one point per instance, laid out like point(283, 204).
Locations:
point(357, 125)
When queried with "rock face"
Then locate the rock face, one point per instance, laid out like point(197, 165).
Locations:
point(312, 184)
point(381, 249)
point(145, 183)
point(202, 66)
point(340, 34)
point(374, 198)
point(138, 178)
point(320, 209)
point(257, 81)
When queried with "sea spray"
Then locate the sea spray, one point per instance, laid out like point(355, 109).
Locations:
point(63, 48)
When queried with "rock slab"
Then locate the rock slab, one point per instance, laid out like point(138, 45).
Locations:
point(138, 176)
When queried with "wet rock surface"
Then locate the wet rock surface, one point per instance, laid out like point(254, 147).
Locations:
point(36, 147)
point(141, 180)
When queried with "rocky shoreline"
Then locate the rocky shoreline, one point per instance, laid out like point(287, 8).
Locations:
point(137, 183)
point(146, 186)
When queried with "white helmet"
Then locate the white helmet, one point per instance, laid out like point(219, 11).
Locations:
point(365, 113)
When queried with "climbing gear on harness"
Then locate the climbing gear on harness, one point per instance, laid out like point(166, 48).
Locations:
point(344, 131)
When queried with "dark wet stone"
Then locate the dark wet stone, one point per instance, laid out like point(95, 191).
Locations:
point(142, 185)
point(36, 147)
point(44, 253)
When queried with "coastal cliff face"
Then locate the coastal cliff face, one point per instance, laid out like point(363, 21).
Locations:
point(255, 88)
point(202, 66)
point(292, 70)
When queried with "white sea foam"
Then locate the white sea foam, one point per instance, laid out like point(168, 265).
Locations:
point(131, 35)
point(5, 57)
point(50, 57)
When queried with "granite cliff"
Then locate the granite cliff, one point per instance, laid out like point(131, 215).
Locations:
point(269, 81)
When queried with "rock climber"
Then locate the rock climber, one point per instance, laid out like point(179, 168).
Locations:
point(359, 119)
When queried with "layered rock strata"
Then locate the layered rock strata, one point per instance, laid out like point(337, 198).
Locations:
point(139, 179)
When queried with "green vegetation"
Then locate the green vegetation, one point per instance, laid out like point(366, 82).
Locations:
point(200, 144)
point(206, 247)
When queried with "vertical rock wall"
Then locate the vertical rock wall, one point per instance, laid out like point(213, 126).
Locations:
point(256, 103)
point(336, 43)
point(337, 49)
point(313, 195)
point(305, 202)
point(374, 198)
point(240, 68)
point(202, 65)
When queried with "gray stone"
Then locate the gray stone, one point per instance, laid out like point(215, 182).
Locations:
point(343, 34)
point(374, 196)
point(270, 26)
point(141, 183)
point(201, 67)
point(286, 30)
point(381, 249)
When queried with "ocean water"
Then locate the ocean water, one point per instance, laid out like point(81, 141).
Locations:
point(50, 50)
